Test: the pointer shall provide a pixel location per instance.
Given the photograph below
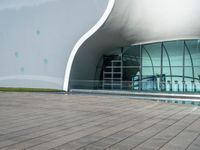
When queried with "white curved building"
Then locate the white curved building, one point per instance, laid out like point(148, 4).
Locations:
point(150, 45)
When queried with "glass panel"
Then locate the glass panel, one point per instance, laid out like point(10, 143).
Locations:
point(139, 68)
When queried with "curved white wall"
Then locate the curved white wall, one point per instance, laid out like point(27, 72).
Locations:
point(37, 36)
point(81, 41)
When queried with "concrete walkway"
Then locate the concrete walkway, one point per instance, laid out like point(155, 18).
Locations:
point(41, 121)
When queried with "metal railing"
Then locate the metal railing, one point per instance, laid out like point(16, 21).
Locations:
point(167, 86)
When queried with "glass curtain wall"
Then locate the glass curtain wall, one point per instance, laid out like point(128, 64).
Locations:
point(166, 66)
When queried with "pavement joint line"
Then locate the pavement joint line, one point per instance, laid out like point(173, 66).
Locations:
point(42, 125)
point(76, 125)
point(178, 133)
point(69, 134)
point(115, 125)
point(45, 134)
point(192, 142)
point(42, 115)
point(19, 125)
point(132, 134)
point(121, 130)
point(147, 128)
point(45, 119)
point(17, 119)
point(64, 115)
point(159, 132)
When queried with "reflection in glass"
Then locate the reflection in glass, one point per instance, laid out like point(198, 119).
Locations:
point(172, 66)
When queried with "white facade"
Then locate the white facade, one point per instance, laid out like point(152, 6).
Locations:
point(47, 43)
point(37, 37)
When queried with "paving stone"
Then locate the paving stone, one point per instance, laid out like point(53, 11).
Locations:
point(41, 121)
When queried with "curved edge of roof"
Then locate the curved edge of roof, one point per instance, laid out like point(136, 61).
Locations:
point(81, 41)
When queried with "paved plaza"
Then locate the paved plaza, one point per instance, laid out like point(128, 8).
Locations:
point(41, 121)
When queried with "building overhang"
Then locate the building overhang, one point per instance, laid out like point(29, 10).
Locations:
point(130, 22)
